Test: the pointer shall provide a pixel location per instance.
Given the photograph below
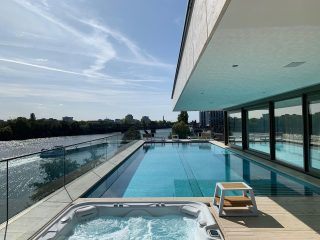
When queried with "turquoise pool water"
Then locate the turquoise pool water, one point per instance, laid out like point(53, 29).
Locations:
point(192, 170)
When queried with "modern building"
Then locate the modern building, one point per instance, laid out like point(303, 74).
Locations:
point(258, 61)
point(67, 119)
point(117, 120)
point(213, 120)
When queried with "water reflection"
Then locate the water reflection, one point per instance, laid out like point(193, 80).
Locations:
point(235, 128)
point(264, 181)
point(314, 109)
point(289, 131)
point(258, 129)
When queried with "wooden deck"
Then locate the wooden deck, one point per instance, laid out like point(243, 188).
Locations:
point(279, 217)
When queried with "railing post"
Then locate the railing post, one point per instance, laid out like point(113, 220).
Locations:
point(226, 127)
point(7, 203)
point(305, 133)
point(117, 143)
point(272, 131)
point(64, 166)
point(244, 129)
point(106, 139)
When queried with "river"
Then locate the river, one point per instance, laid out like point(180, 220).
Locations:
point(15, 148)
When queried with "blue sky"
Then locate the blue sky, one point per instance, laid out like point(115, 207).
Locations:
point(89, 59)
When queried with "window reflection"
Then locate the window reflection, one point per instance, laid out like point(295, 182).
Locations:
point(289, 131)
point(258, 129)
point(235, 128)
point(314, 109)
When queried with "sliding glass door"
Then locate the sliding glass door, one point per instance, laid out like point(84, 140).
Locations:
point(314, 130)
point(289, 131)
point(258, 129)
point(235, 128)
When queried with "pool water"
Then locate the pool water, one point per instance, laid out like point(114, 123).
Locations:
point(144, 227)
point(192, 170)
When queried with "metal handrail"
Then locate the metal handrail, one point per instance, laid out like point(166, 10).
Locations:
point(34, 153)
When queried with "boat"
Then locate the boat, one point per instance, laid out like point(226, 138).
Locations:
point(56, 151)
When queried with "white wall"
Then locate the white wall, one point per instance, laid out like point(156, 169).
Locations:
point(204, 17)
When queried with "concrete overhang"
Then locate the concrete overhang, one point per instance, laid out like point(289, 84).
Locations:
point(256, 49)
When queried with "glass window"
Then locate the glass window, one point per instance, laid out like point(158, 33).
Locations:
point(235, 128)
point(258, 129)
point(314, 110)
point(289, 131)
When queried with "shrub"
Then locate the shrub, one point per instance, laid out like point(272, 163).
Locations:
point(181, 129)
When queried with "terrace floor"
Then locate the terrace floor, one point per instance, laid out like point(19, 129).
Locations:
point(279, 217)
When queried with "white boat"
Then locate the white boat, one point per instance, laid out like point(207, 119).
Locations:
point(56, 151)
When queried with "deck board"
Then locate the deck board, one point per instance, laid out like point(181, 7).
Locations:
point(279, 218)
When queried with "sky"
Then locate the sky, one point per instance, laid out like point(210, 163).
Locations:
point(89, 59)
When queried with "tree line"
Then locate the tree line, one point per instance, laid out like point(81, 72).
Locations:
point(25, 128)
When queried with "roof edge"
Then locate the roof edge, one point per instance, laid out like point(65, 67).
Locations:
point(183, 41)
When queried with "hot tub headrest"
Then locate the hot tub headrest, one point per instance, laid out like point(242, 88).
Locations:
point(202, 220)
point(190, 210)
point(85, 213)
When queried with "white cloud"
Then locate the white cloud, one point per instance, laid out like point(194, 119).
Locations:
point(41, 60)
point(41, 66)
point(51, 55)
point(140, 56)
point(99, 47)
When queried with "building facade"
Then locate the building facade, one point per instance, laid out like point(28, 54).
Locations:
point(213, 120)
point(261, 70)
point(67, 119)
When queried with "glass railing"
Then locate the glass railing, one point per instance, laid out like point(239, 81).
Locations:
point(25, 180)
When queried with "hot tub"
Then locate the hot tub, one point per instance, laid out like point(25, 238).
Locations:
point(148, 220)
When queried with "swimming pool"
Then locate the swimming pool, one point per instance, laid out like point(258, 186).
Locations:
point(192, 170)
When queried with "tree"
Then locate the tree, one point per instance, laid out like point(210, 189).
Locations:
point(145, 121)
point(128, 119)
point(32, 117)
point(6, 133)
point(132, 134)
point(181, 129)
point(183, 116)
point(22, 128)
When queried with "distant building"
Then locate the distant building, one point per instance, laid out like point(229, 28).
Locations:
point(109, 120)
point(213, 120)
point(67, 119)
point(117, 120)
